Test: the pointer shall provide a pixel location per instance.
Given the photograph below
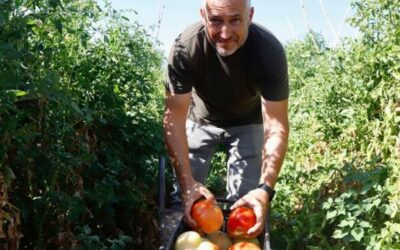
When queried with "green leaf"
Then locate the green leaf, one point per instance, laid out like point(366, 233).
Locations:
point(103, 121)
point(357, 233)
point(368, 207)
point(327, 204)
point(365, 224)
point(339, 234)
point(59, 26)
point(376, 202)
point(9, 50)
point(87, 230)
point(76, 208)
point(125, 238)
point(386, 209)
point(314, 248)
point(395, 227)
point(18, 3)
point(396, 75)
point(94, 238)
point(75, 107)
point(17, 93)
point(116, 89)
point(347, 223)
point(331, 214)
point(8, 174)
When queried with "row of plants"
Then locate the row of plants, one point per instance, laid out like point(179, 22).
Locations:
point(80, 132)
point(340, 185)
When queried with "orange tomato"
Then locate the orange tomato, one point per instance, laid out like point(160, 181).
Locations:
point(240, 220)
point(208, 216)
point(251, 240)
point(244, 246)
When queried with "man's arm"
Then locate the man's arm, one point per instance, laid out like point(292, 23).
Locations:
point(176, 109)
point(276, 133)
point(174, 123)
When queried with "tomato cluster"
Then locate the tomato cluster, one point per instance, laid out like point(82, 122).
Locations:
point(209, 219)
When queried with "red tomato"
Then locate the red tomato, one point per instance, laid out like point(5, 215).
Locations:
point(240, 221)
point(244, 246)
point(208, 216)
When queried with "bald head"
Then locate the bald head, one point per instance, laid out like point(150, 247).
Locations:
point(247, 2)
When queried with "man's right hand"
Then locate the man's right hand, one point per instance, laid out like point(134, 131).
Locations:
point(191, 192)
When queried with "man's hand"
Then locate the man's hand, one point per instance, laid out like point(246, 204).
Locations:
point(191, 192)
point(258, 200)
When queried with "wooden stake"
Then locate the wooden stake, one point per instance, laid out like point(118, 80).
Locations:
point(303, 10)
point(327, 18)
point(161, 8)
point(290, 26)
point(341, 26)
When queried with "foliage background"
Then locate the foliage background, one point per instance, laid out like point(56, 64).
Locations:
point(80, 115)
point(340, 185)
point(80, 133)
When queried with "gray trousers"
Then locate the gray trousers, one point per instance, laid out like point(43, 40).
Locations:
point(243, 145)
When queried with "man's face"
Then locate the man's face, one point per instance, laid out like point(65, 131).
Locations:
point(227, 23)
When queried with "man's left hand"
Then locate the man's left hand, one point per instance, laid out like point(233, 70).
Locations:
point(258, 200)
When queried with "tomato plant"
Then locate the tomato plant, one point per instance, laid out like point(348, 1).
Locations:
point(340, 176)
point(80, 131)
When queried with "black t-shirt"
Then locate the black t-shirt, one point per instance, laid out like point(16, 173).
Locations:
point(226, 90)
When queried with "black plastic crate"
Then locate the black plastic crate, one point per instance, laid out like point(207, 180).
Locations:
point(168, 242)
point(224, 205)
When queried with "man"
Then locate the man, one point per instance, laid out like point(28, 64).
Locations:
point(227, 84)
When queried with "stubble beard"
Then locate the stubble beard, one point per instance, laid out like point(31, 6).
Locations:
point(224, 52)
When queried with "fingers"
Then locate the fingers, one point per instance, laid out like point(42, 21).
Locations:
point(189, 197)
point(208, 195)
point(187, 216)
point(258, 227)
point(239, 203)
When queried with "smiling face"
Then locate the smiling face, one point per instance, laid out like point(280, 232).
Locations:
point(227, 23)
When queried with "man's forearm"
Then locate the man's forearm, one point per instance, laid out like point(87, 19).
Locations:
point(176, 142)
point(274, 150)
point(174, 123)
point(276, 134)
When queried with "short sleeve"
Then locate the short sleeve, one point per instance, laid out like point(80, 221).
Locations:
point(180, 73)
point(276, 85)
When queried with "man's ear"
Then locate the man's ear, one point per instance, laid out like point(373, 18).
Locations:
point(203, 16)
point(251, 13)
